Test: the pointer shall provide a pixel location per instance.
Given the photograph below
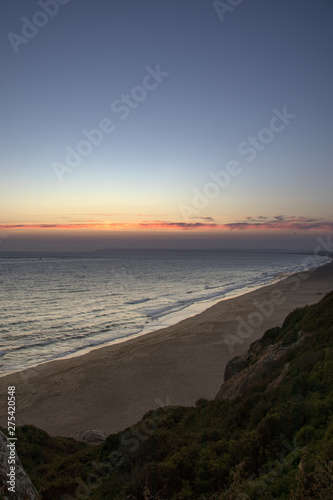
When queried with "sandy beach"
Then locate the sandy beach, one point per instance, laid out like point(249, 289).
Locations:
point(111, 388)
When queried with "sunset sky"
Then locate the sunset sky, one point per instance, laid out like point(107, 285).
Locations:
point(166, 124)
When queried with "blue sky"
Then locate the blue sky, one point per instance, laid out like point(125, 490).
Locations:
point(224, 78)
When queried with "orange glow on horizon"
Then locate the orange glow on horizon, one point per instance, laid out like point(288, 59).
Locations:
point(289, 224)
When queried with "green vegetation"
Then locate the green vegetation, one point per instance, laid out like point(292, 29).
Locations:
point(269, 444)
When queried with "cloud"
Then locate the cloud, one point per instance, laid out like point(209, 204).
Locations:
point(204, 218)
point(279, 222)
point(180, 225)
point(151, 215)
point(260, 217)
point(85, 214)
point(285, 223)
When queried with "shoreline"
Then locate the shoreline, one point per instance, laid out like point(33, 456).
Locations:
point(171, 319)
point(159, 324)
point(111, 387)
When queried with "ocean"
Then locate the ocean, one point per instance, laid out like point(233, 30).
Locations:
point(60, 305)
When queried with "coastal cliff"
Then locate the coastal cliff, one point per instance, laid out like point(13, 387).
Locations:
point(264, 359)
point(268, 359)
point(268, 434)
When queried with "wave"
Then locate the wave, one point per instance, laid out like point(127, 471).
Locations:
point(29, 346)
point(224, 290)
point(138, 301)
point(20, 323)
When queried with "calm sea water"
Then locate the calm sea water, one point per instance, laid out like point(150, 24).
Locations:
point(54, 306)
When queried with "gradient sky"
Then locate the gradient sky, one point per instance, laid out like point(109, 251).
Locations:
point(148, 183)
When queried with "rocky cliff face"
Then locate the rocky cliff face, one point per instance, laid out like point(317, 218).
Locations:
point(264, 359)
point(92, 436)
point(24, 489)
